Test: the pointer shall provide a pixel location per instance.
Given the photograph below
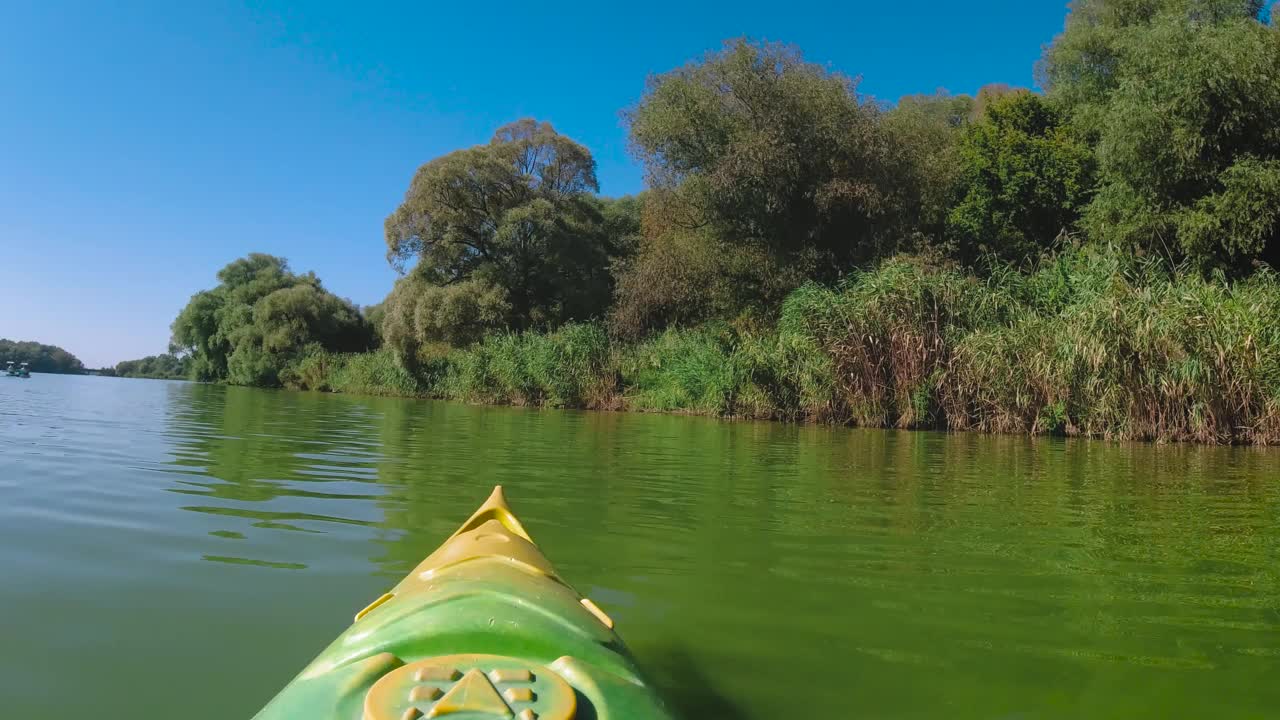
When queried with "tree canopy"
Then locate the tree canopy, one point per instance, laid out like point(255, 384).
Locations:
point(418, 313)
point(165, 366)
point(260, 318)
point(40, 358)
point(1023, 179)
point(516, 215)
point(924, 135)
point(769, 149)
point(1180, 97)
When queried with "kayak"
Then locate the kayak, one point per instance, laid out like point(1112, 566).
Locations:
point(483, 628)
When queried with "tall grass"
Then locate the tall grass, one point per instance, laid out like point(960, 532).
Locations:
point(1128, 350)
point(570, 367)
point(890, 334)
point(693, 371)
point(1090, 343)
point(375, 373)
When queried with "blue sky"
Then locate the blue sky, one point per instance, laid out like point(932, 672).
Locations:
point(143, 145)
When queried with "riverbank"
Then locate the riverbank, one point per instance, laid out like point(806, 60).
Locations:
point(1089, 344)
point(1011, 262)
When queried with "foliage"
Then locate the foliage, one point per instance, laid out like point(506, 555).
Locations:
point(1091, 261)
point(988, 95)
point(515, 214)
point(770, 150)
point(164, 366)
point(1090, 342)
point(924, 133)
point(1087, 62)
point(419, 314)
point(371, 373)
point(1129, 350)
point(889, 334)
point(621, 219)
point(1181, 98)
point(1094, 342)
point(765, 170)
point(683, 277)
point(569, 367)
point(40, 358)
point(717, 370)
point(1023, 180)
point(684, 370)
point(374, 316)
point(261, 318)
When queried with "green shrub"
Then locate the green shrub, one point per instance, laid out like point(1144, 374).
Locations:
point(373, 373)
point(1135, 351)
point(1092, 342)
point(889, 334)
point(683, 370)
point(570, 367)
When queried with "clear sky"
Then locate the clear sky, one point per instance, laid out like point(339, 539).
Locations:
point(143, 145)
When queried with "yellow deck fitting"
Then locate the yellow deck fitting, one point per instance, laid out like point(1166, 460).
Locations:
point(600, 614)
point(471, 686)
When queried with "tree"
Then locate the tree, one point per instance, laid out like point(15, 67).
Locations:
point(771, 151)
point(1023, 180)
point(196, 331)
point(418, 314)
point(1181, 98)
point(925, 131)
point(261, 318)
point(165, 366)
point(40, 358)
point(990, 94)
point(621, 219)
point(1090, 59)
point(516, 214)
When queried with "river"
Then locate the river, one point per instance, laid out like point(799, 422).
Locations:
point(174, 549)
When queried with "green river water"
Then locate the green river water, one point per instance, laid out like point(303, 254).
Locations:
point(179, 550)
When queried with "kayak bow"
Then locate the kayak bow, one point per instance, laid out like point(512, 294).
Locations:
point(483, 628)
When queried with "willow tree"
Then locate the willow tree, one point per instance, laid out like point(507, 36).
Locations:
point(261, 318)
point(515, 216)
point(1093, 56)
point(1181, 98)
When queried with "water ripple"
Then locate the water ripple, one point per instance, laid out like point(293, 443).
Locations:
point(943, 576)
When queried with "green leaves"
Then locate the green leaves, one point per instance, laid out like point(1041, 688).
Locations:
point(166, 366)
point(767, 148)
point(41, 358)
point(1024, 178)
point(419, 313)
point(1181, 98)
point(260, 319)
point(1236, 222)
point(517, 214)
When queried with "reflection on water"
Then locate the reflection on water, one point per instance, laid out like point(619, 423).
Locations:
point(753, 568)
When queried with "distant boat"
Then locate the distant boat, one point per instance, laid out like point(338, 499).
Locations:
point(18, 372)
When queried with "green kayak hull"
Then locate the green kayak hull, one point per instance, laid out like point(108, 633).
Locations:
point(483, 628)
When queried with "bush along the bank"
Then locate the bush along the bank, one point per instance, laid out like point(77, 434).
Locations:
point(374, 373)
point(1125, 350)
point(570, 367)
point(1089, 343)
